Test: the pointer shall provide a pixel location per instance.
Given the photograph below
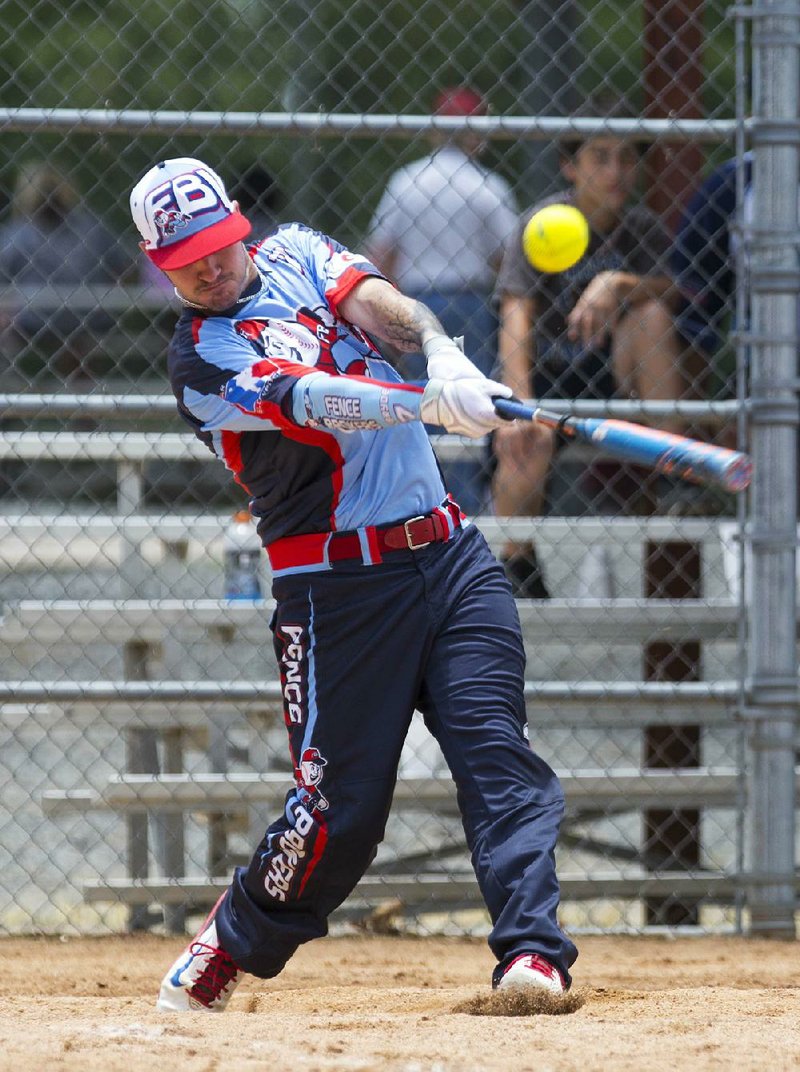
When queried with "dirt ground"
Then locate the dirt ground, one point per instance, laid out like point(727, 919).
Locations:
point(638, 1004)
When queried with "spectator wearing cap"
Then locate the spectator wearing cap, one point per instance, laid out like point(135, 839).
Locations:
point(438, 232)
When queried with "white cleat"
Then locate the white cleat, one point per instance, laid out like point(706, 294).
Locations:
point(203, 977)
point(530, 969)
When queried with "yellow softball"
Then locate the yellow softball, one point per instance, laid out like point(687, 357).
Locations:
point(555, 238)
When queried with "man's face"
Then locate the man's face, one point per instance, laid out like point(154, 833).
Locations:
point(603, 173)
point(216, 281)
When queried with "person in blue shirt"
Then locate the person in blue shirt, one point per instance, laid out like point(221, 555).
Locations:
point(704, 261)
point(387, 598)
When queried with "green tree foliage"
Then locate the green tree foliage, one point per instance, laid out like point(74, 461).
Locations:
point(329, 55)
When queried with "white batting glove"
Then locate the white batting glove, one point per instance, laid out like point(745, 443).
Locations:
point(447, 360)
point(463, 406)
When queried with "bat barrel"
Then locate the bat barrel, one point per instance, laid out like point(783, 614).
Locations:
point(661, 451)
point(730, 469)
point(739, 473)
point(667, 453)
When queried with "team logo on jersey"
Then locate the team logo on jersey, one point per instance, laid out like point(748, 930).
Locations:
point(335, 353)
point(280, 255)
point(280, 340)
point(308, 774)
point(169, 221)
point(311, 339)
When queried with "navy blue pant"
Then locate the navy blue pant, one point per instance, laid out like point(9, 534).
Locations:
point(360, 647)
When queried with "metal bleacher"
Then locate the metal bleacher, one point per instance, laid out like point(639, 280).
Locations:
point(104, 582)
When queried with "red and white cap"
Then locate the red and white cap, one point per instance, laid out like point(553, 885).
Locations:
point(183, 213)
point(459, 100)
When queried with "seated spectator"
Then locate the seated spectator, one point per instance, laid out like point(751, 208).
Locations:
point(705, 266)
point(600, 330)
point(438, 232)
point(53, 240)
point(703, 260)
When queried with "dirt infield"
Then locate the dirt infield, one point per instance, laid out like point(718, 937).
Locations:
point(660, 1005)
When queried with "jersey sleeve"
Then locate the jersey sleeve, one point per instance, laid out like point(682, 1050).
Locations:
point(226, 390)
point(353, 403)
point(279, 395)
point(334, 269)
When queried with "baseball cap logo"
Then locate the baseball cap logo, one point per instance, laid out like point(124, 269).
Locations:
point(168, 222)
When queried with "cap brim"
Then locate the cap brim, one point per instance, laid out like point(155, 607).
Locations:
point(210, 240)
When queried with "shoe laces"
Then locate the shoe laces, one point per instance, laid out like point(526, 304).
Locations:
point(543, 966)
point(217, 973)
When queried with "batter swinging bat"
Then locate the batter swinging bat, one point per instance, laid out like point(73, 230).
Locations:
point(677, 455)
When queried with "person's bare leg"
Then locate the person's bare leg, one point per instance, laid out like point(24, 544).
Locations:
point(647, 358)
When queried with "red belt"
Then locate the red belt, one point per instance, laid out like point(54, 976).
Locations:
point(319, 550)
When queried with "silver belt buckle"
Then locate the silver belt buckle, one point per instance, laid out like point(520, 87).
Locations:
point(409, 540)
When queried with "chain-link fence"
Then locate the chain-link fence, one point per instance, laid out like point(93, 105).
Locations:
point(143, 748)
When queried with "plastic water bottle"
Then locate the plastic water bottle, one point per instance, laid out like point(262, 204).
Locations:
point(241, 548)
point(596, 578)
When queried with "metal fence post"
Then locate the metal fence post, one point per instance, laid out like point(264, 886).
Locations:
point(772, 243)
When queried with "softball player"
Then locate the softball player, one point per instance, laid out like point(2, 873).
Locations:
point(388, 599)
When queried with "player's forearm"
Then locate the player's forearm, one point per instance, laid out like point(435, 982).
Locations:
point(381, 310)
point(633, 289)
point(352, 404)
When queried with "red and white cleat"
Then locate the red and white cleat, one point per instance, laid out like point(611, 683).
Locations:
point(203, 977)
point(530, 969)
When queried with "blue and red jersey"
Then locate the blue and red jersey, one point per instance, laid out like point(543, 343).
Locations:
point(298, 403)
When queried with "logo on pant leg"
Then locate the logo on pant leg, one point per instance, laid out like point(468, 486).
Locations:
point(293, 673)
point(294, 853)
point(308, 774)
point(287, 852)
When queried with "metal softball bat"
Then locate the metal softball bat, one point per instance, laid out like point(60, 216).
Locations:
point(664, 452)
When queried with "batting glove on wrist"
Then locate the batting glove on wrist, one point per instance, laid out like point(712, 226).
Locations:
point(447, 360)
point(463, 406)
